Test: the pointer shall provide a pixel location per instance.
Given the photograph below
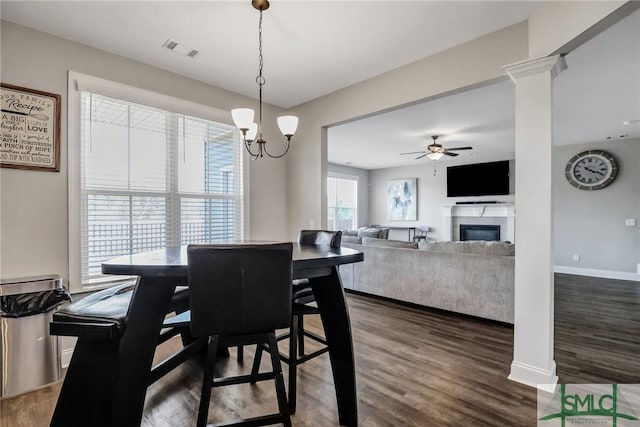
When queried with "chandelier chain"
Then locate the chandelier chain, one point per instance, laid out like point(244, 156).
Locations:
point(260, 79)
point(242, 117)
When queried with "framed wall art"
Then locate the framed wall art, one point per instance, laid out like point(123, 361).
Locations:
point(30, 129)
point(402, 199)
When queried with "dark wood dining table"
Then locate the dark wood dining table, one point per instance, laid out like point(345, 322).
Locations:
point(116, 380)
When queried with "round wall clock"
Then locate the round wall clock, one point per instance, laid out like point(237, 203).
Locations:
point(591, 170)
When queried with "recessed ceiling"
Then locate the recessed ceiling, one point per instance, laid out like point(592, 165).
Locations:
point(310, 48)
point(592, 98)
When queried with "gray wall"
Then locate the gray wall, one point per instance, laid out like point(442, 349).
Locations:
point(363, 189)
point(432, 193)
point(33, 214)
point(591, 224)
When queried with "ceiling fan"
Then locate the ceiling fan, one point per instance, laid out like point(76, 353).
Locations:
point(435, 151)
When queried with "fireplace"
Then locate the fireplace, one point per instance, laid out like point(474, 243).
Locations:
point(479, 232)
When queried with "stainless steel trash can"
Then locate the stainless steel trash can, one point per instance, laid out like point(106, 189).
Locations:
point(29, 354)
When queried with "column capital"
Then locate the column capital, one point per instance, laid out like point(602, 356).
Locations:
point(556, 64)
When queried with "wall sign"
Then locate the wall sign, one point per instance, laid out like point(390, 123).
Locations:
point(30, 129)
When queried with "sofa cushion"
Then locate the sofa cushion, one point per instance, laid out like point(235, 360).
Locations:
point(352, 239)
point(471, 247)
point(353, 233)
point(449, 247)
point(368, 241)
point(500, 248)
point(369, 232)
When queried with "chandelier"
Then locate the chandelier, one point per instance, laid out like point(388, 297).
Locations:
point(243, 117)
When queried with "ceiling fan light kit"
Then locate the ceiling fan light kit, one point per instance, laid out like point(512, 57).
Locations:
point(243, 118)
point(435, 151)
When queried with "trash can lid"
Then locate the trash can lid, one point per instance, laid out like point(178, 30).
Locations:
point(26, 285)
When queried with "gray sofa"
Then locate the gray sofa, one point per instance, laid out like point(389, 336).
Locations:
point(474, 278)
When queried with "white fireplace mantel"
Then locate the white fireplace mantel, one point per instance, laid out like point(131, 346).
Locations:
point(492, 210)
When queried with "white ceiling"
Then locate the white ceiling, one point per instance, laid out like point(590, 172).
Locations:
point(315, 48)
point(599, 90)
point(311, 48)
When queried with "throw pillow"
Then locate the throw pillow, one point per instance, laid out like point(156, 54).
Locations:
point(368, 232)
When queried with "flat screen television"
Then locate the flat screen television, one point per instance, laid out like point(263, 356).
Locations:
point(480, 179)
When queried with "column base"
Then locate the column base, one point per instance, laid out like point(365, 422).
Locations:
point(542, 379)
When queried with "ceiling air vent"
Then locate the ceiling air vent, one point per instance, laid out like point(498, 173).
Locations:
point(180, 48)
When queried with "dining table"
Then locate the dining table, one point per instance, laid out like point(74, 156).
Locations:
point(112, 379)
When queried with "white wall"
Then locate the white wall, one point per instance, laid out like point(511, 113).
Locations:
point(558, 24)
point(432, 194)
point(470, 64)
point(33, 212)
point(591, 224)
point(363, 189)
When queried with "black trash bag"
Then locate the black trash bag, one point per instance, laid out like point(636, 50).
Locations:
point(23, 305)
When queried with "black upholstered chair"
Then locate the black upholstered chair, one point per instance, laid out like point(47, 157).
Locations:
point(101, 317)
point(240, 294)
point(302, 305)
point(303, 295)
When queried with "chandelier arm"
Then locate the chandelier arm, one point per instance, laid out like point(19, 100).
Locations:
point(281, 155)
point(248, 148)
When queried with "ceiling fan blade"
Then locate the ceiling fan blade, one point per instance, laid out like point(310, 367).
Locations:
point(419, 157)
point(446, 153)
point(459, 148)
point(413, 152)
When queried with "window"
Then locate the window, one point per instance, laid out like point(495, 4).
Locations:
point(149, 178)
point(342, 201)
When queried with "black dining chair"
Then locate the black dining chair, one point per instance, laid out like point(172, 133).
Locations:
point(302, 305)
point(239, 295)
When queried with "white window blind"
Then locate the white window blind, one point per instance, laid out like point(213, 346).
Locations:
point(151, 178)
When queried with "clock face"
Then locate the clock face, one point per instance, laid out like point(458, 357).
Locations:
point(591, 170)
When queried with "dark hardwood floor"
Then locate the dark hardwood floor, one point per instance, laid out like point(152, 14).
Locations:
point(414, 367)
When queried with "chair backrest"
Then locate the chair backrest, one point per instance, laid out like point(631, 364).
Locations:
point(239, 289)
point(320, 238)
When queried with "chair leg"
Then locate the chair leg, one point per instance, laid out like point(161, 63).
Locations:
point(300, 335)
point(240, 356)
point(207, 382)
point(293, 363)
point(279, 380)
point(257, 358)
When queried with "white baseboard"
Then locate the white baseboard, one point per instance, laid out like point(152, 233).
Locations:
point(65, 356)
point(605, 274)
point(534, 377)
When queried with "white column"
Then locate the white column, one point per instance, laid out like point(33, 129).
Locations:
point(448, 222)
point(533, 362)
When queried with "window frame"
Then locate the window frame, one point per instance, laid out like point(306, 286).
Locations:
point(78, 82)
point(356, 178)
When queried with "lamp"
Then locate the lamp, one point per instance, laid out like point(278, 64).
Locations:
point(434, 156)
point(243, 117)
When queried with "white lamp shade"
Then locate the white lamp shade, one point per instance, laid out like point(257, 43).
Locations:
point(242, 117)
point(252, 132)
point(288, 125)
point(434, 156)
